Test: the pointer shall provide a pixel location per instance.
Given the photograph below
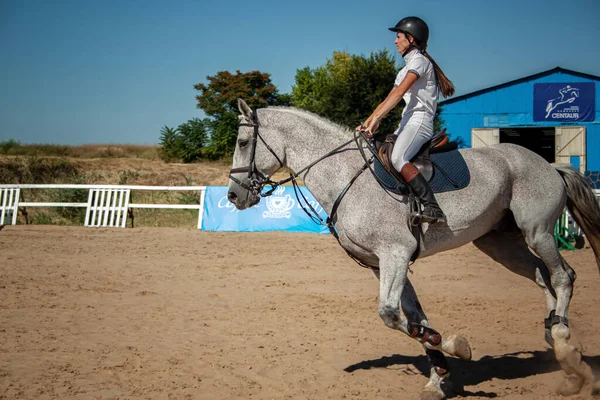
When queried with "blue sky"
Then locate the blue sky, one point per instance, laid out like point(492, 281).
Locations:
point(86, 71)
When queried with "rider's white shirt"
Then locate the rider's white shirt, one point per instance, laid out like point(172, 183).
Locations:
point(423, 95)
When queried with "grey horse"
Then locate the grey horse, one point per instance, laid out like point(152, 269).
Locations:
point(511, 205)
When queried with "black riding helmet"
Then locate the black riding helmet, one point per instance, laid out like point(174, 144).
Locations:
point(416, 27)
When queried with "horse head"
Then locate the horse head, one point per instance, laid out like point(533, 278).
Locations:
point(259, 153)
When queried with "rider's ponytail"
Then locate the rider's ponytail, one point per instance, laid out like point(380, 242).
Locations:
point(445, 85)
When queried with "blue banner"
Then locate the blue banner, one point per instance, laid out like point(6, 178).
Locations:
point(279, 212)
point(564, 102)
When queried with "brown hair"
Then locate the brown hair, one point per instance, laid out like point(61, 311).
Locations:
point(446, 86)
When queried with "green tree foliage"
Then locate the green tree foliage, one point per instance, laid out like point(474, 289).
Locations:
point(7, 145)
point(438, 122)
point(168, 143)
point(347, 88)
point(223, 136)
point(283, 99)
point(218, 98)
point(187, 142)
point(223, 90)
point(194, 137)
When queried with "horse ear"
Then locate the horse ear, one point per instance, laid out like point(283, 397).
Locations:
point(245, 110)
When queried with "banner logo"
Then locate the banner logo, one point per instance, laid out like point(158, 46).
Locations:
point(567, 95)
point(564, 102)
point(278, 212)
point(278, 205)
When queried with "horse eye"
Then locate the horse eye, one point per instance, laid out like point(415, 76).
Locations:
point(243, 142)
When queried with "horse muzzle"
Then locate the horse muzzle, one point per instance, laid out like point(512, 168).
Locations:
point(242, 202)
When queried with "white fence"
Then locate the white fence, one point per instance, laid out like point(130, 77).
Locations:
point(107, 205)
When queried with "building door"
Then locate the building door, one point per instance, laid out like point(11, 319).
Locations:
point(570, 146)
point(539, 140)
point(484, 137)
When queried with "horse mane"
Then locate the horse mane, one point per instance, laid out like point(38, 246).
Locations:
point(318, 120)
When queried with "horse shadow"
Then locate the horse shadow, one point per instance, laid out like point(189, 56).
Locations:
point(471, 373)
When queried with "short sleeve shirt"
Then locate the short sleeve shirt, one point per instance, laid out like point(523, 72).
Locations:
point(423, 95)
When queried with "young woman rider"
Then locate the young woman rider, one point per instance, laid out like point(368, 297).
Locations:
point(419, 83)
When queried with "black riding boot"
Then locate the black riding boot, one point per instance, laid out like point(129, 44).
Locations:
point(432, 212)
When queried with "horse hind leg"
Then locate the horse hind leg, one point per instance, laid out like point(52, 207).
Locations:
point(562, 279)
point(511, 250)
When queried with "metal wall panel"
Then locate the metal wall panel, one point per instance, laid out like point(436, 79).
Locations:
point(593, 145)
point(512, 106)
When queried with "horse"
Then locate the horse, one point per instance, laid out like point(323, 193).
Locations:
point(511, 204)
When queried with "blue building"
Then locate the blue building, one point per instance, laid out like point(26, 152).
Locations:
point(553, 113)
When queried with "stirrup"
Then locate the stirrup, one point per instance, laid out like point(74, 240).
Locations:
point(433, 215)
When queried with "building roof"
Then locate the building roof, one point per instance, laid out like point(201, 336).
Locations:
point(520, 80)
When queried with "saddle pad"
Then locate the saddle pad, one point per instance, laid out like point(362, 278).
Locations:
point(450, 172)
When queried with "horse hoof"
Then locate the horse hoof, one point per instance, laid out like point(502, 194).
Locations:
point(457, 346)
point(571, 385)
point(432, 393)
point(578, 371)
point(548, 337)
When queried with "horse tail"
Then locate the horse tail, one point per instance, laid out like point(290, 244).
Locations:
point(583, 205)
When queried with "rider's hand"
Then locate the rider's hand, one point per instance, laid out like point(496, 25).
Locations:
point(370, 128)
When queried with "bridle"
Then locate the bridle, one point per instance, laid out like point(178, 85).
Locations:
point(257, 179)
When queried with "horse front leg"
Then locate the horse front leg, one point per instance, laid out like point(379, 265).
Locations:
point(393, 267)
point(454, 345)
point(439, 368)
point(392, 284)
point(397, 292)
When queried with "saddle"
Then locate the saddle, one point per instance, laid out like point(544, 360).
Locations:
point(422, 160)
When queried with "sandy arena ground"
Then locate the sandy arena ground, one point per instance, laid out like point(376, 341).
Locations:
point(183, 314)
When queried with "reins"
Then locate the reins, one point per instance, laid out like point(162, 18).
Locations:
point(258, 180)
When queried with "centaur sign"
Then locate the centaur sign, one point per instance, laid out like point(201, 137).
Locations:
point(511, 204)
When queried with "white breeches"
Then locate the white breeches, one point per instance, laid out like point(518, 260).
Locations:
point(412, 134)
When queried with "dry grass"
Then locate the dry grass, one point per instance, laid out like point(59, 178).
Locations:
point(116, 171)
point(110, 165)
point(13, 148)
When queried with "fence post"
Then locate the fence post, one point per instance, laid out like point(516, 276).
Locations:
point(201, 210)
point(9, 205)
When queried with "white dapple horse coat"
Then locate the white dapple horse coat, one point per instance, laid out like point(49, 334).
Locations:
point(511, 205)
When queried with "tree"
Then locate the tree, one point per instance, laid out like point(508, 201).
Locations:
point(283, 99)
point(219, 98)
point(347, 88)
point(223, 136)
point(223, 90)
point(193, 137)
point(168, 143)
point(186, 142)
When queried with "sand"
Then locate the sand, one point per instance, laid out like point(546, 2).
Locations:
point(167, 313)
